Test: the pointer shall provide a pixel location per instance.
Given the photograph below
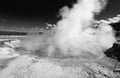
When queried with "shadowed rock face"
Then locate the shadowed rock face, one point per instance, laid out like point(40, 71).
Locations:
point(114, 52)
point(35, 67)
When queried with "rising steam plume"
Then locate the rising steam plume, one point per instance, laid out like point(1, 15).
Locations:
point(75, 34)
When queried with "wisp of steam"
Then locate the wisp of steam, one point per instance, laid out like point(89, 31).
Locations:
point(75, 35)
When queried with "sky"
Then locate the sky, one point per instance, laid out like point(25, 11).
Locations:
point(31, 14)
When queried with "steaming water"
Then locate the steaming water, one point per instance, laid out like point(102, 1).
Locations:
point(74, 35)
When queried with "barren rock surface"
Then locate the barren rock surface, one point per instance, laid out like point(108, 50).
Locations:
point(34, 67)
point(13, 65)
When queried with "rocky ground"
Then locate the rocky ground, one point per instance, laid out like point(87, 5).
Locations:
point(14, 65)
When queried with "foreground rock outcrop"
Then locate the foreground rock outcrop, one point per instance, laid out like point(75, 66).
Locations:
point(28, 66)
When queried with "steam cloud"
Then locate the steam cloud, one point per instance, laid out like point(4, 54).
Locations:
point(75, 34)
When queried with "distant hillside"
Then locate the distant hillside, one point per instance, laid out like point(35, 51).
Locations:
point(12, 33)
point(15, 33)
point(116, 26)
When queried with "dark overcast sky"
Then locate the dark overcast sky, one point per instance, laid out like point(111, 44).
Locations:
point(34, 13)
